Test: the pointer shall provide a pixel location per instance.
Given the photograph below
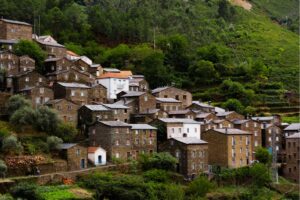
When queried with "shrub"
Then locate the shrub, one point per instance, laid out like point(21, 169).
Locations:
point(53, 142)
point(260, 175)
point(23, 117)
point(25, 191)
point(3, 168)
point(199, 187)
point(156, 175)
point(66, 131)
point(11, 145)
point(46, 120)
point(233, 104)
point(162, 160)
point(15, 103)
point(263, 155)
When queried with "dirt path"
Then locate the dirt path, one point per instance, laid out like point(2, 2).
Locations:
point(242, 3)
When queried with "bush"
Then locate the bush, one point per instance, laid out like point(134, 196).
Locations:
point(260, 175)
point(15, 103)
point(46, 120)
point(233, 105)
point(263, 155)
point(156, 175)
point(162, 160)
point(23, 117)
point(66, 131)
point(25, 191)
point(11, 145)
point(199, 187)
point(53, 142)
point(3, 168)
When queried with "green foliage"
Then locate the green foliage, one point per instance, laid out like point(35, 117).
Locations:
point(199, 187)
point(156, 175)
point(66, 131)
point(263, 155)
point(11, 145)
point(23, 117)
point(25, 190)
point(3, 168)
point(4, 132)
point(46, 120)
point(162, 160)
point(59, 192)
point(53, 142)
point(203, 72)
point(115, 57)
point(15, 103)
point(6, 197)
point(225, 10)
point(33, 50)
point(260, 175)
point(215, 53)
point(233, 105)
point(249, 110)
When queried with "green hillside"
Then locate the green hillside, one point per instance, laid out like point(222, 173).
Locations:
point(198, 43)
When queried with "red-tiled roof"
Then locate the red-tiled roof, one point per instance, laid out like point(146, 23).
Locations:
point(92, 149)
point(121, 74)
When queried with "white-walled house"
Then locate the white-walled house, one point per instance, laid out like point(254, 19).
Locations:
point(115, 82)
point(182, 127)
point(97, 155)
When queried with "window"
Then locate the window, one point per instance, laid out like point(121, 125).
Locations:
point(233, 153)
point(221, 125)
point(247, 124)
point(173, 130)
point(177, 154)
point(270, 131)
point(270, 139)
point(136, 132)
point(177, 97)
point(27, 79)
point(94, 131)
point(146, 98)
point(166, 96)
point(277, 148)
point(144, 141)
point(179, 130)
point(196, 130)
point(41, 90)
point(125, 110)
point(193, 166)
point(232, 140)
point(137, 141)
point(277, 138)
point(72, 93)
point(193, 154)
point(117, 155)
point(247, 140)
point(184, 97)
point(241, 149)
point(127, 142)
point(117, 142)
point(82, 94)
point(78, 152)
point(188, 130)
point(150, 141)
point(255, 133)
point(76, 77)
point(256, 143)
point(255, 124)
point(115, 112)
point(69, 107)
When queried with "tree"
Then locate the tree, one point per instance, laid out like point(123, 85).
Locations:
point(24, 116)
point(263, 155)
point(16, 102)
point(233, 105)
point(225, 10)
point(162, 160)
point(11, 144)
point(46, 120)
point(260, 175)
point(54, 142)
point(3, 168)
point(26, 47)
point(66, 131)
point(199, 187)
point(203, 72)
point(25, 190)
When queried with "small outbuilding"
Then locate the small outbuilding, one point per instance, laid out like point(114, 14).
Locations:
point(97, 155)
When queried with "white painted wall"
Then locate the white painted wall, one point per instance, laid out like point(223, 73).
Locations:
point(191, 130)
point(94, 156)
point(114, 86)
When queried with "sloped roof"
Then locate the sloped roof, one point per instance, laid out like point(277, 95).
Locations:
point(178, 112)
point(240, 121)
point(121, 75)
point(231, 131)
point(292, 127)
point(295, 135)
point(66, 145)
point(133, 94)
point(179, 120)
point(71, 53)
point(94, 149)
point(222, 114)
point(263, 118)
point(142, 126)
point(115, 106)
point(189, 140)
point(73, 85)
point(15, 22)
point(167, 100)
point(115, 123)
point(156, 90)
point(202, 115)
point(201, 104)
point(97, 107)
point(111, 70)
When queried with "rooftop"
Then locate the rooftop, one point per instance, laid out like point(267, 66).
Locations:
point(111, 70)
point(263, 118)
point(15, 22)
point(222, 114)
point(133, 94)
point(240, 121)
point(295, 135)
point(231, 131)
point(168, 100)
point(159, 89)
point(115, 123)
point(179, 120)
point(97, 107)
point(190, 140)
point(115, 106)
point(202, 115)
point(142, 126)
point(66, 145)
point(293, 127)
point(120, 75)
point(94, 149)
point(73, 85)
point(178, 112)
point(204, 105)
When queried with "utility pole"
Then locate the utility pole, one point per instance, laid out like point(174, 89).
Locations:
point(274, 157)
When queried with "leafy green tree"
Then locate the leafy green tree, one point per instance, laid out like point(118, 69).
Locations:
point(46, 120)
point(66, 131)
point(249, 110)
point(11, 145)
point(25, 116)
point(162, 160)
point(15, 103)
point(26, 47)
point(233, 105)
point(260, 175)
point(263, 155)
point(199, 187)
point(225, 10)
point(156, 175)
point(216, 53)
point(203, 72)
point(53, 142)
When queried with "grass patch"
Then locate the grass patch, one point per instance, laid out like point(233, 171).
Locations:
point(291, 119)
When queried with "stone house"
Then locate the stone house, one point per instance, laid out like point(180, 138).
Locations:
point(57, 64)
point(266, 135)
point(51, 46)
point(76, 92)
point(205, 117)
point(26, 64)
point(75, 154)
point(28, 79)
point(82, 65)
point(292, 167)
point(95, 69)
point(202, 107)
point(291, 129)
point(230, 115)
point(275, 119)
point(171, 92)
point(65, 109)
point(147, 116)
point(228, 147)
point(138, 83)
point(192, 155)
point(252, 127)
point(168, 104)
point(121, 140)
point(97, 94)
point(15, 30)
point(119, 112)
point(9, 62)
point(38, 95)
point(182, 114)
point(176, 127)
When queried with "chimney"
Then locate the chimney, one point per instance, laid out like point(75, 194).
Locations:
point(265, 125)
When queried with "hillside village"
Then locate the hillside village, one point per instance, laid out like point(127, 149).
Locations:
point(119, 117)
